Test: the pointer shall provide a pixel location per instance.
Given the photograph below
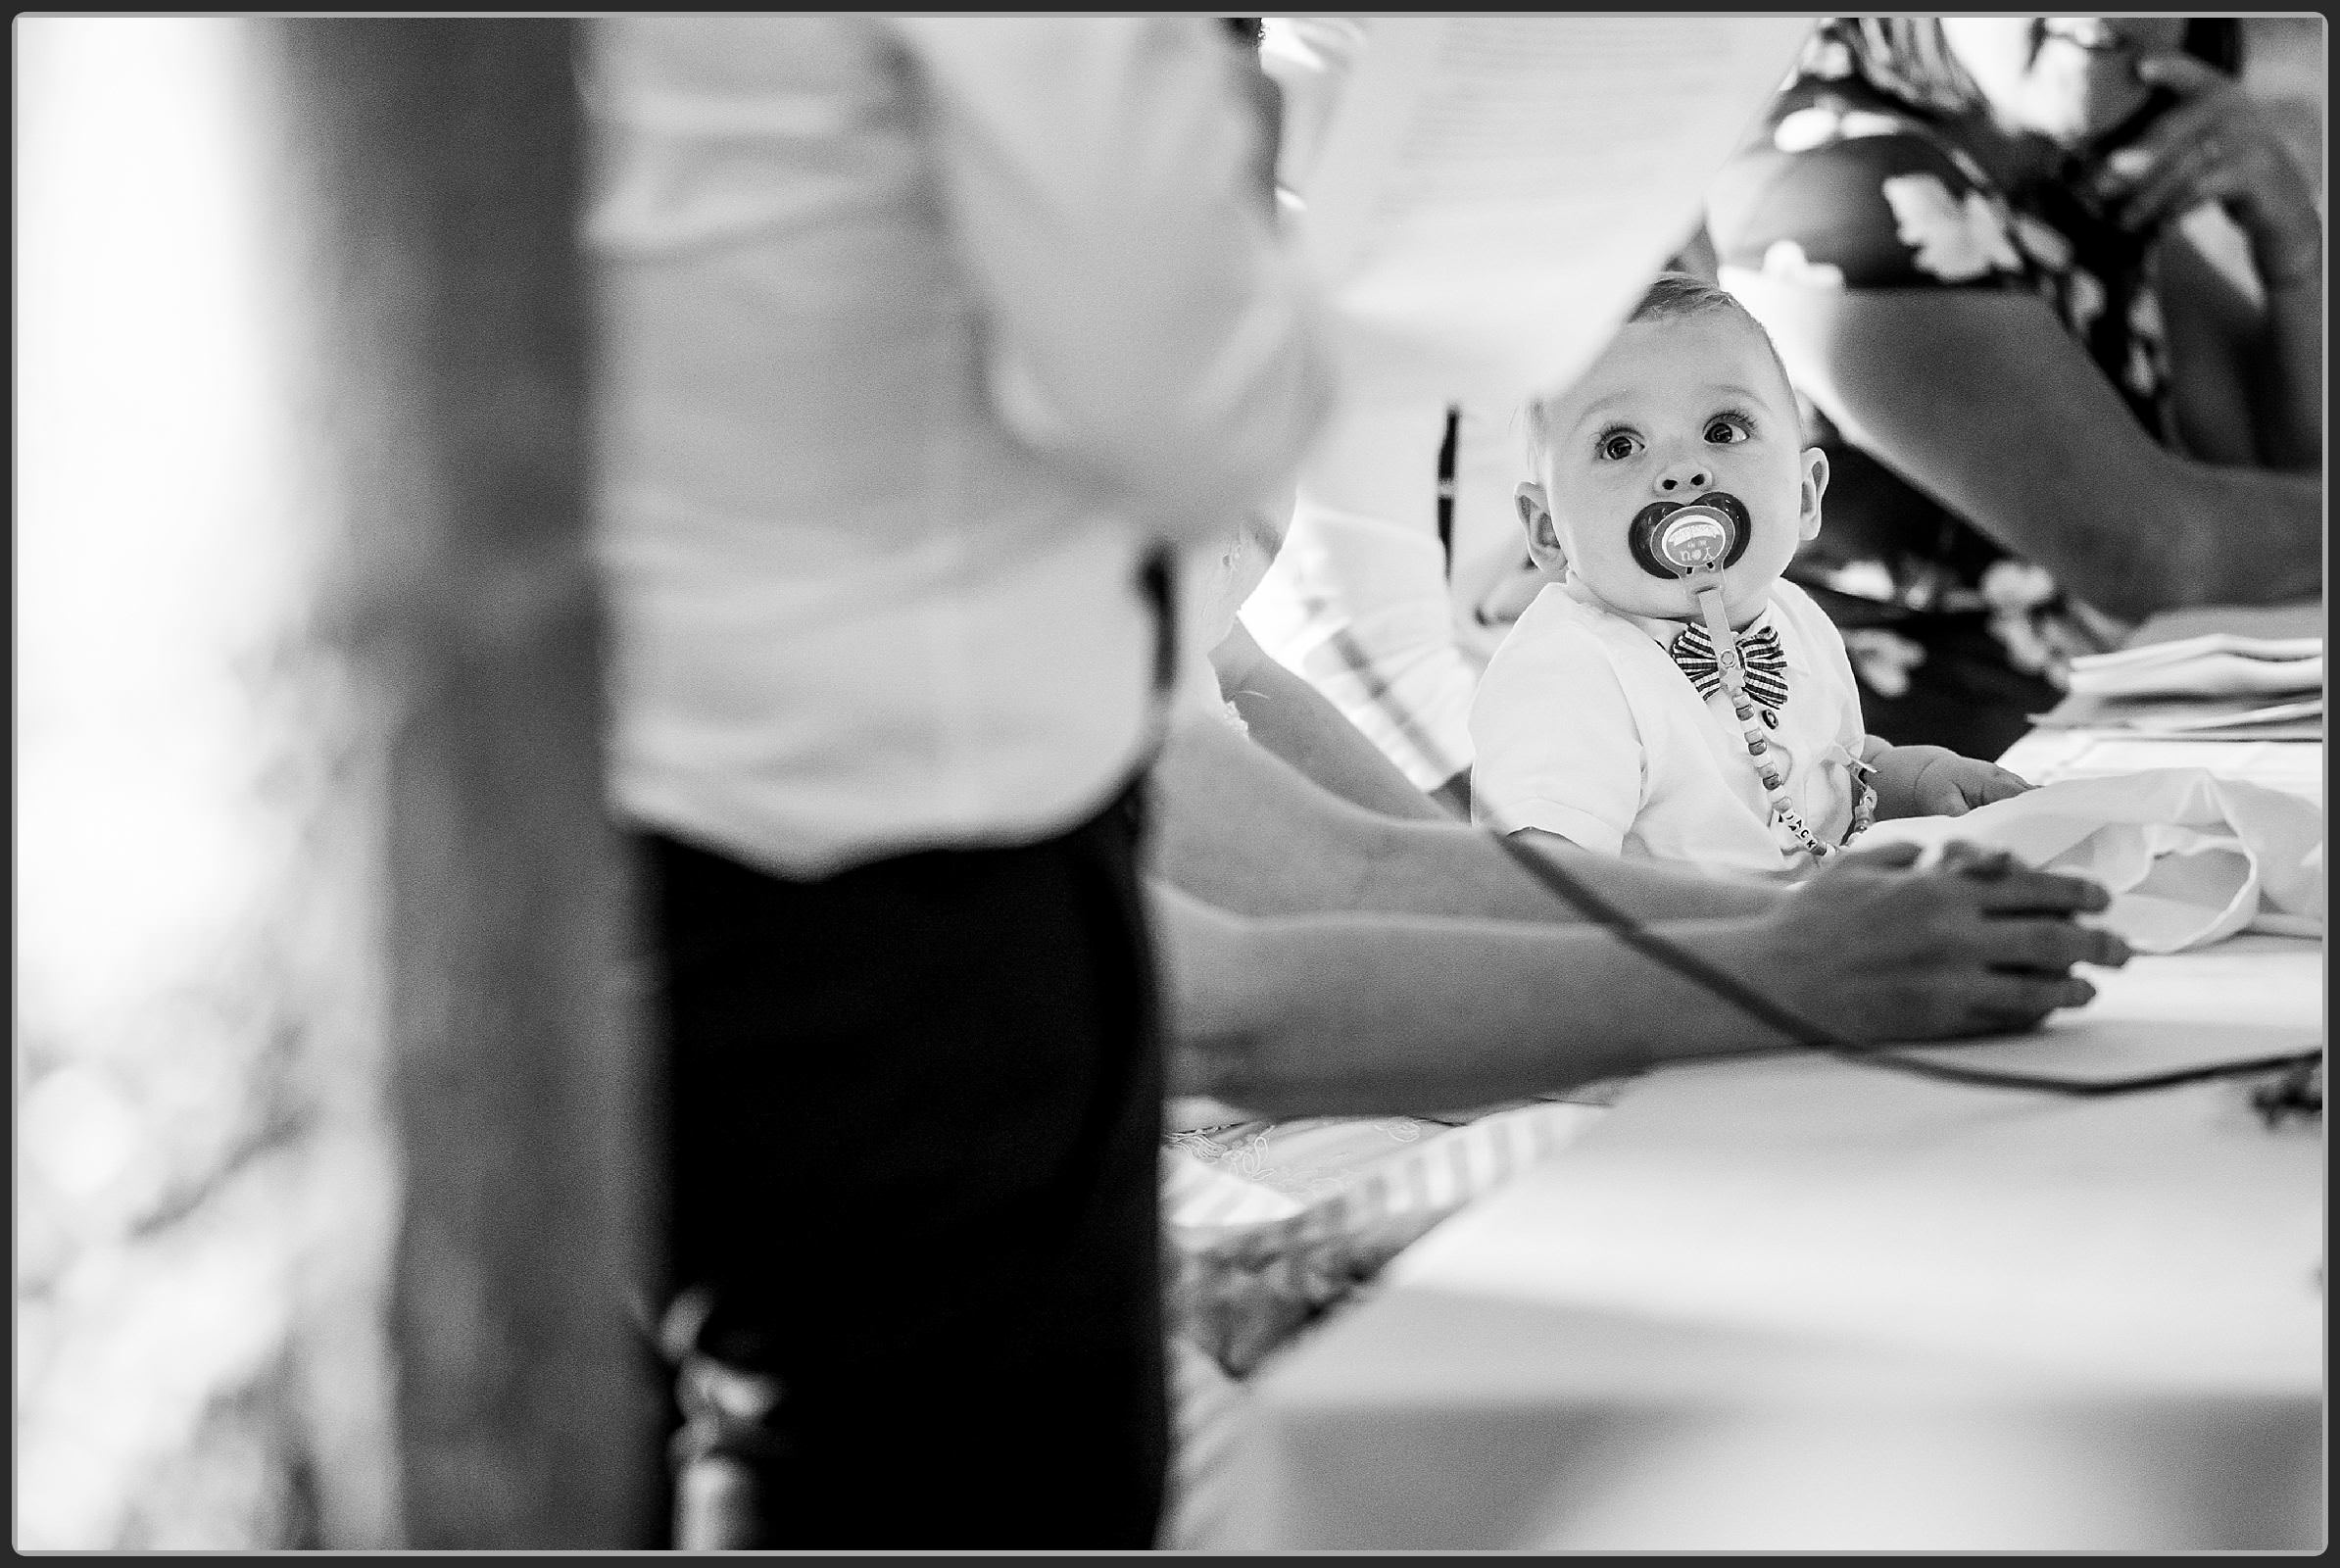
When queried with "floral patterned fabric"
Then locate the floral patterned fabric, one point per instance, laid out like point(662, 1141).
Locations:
point(1954, 640)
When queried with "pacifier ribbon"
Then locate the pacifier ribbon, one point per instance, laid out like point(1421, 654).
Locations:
point(1764, 662)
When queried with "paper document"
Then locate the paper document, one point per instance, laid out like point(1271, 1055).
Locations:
point(1493, 192)
point(2218, 665)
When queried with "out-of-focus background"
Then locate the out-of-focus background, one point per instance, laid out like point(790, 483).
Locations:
point(2283, 65)
point(209, 1167)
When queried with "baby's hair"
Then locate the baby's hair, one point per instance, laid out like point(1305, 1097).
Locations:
point(1678, 294)
point(1669, 297)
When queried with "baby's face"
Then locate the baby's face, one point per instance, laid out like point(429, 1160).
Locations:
point(1673, 410)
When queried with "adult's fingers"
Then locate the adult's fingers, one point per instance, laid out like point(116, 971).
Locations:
point(2191, 177)
point(2041, 944)
point(2017, 1002)
point(2023, 891)
point(2169, 136)
point(1978, 861)
point(1983, 1004)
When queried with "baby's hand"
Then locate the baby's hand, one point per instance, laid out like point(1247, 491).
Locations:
point(1934, 781)
point(1951, 785)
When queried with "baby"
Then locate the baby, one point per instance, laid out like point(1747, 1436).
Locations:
point(1606, 717)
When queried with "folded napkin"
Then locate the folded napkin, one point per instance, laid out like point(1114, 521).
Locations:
point(2173, 718)
point(2218, 665)
point(2189, 857)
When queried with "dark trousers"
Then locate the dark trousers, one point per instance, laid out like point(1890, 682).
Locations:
point(914, 1115)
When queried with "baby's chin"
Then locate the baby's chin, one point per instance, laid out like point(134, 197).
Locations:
point(1653, 600)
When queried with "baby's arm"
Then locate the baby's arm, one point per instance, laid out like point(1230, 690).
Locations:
point(1936, 781)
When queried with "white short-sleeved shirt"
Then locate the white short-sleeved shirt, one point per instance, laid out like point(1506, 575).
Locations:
point(1585, 726)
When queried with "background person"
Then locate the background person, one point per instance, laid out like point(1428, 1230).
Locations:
point(2046, 410)
point(921, 337)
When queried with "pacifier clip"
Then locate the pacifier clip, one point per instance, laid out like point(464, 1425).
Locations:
point(1732, 670)
point(1700, 540)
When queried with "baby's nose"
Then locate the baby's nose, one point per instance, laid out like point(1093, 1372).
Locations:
point(1676, 476)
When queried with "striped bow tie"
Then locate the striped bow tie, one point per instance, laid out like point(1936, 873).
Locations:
point(1765, 666)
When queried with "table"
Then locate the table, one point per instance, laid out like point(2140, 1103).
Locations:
point(1793, 1303)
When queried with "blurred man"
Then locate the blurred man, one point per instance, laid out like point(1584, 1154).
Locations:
point(925, 340)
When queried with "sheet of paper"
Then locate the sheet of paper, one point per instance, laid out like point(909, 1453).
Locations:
point(1499, 187)
point(1491, 194)
point(2183, 650)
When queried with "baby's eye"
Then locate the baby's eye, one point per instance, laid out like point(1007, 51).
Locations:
point(1727, 430)
point(1616, 446)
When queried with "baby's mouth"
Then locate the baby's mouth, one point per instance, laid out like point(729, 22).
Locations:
point(1651, 550)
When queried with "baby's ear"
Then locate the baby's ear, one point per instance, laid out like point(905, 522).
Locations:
point(1543, 535)
point(1816, 485)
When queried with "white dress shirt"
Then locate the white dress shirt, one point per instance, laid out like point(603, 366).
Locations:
point(1586, 727)
point(918, 335)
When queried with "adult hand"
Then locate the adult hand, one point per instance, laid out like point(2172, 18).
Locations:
point(2216, 146)
point(1877, 949)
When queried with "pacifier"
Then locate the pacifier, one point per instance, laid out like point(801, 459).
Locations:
point(1673, 539)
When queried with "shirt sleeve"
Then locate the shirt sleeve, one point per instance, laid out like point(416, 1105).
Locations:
point(1557, 744)
point(1855, 199)
point(1104, 182)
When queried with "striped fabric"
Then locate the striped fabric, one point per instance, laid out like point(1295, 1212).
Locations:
point(1206, 1407)
point(1251, 1266)
point(1765, 663)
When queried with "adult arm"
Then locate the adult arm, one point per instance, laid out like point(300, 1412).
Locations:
point(1241, 828)
point(1102, 178)
point(1982, 400)
point(1365, 1014)
point(1299, 724)
point(2246, 376)
point(2216, 146)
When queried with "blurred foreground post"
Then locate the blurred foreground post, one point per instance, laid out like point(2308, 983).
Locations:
point(328, 1088)
point(446, 159)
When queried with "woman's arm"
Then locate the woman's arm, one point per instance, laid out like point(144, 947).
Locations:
point(1299, 724)
point(2246, 376)
point(2218, 146)
point(1243, 829)
point(1365, 1014)
point(1982, 400)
